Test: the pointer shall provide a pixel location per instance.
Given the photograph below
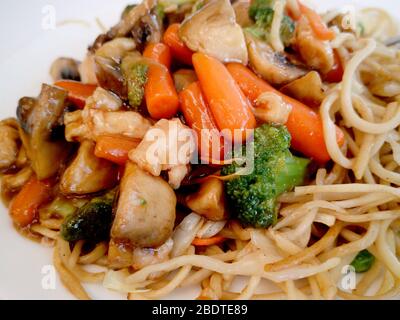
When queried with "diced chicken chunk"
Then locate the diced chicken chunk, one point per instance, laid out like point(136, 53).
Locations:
point(8, 144)
point(146, 209)
point(168, 145)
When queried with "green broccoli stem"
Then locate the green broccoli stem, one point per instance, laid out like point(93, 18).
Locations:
point(292, 174)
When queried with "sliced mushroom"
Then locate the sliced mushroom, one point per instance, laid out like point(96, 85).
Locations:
point(107, 60)
point(241, 8)
point(87, 173)
point(65, 68)
point(9, 140)
point(42, 131)
point(146, 209)
point(209, 201)
point(213, 30)
point(131, 18)
point(317, 54)
point(308, 89)
point(272, 66)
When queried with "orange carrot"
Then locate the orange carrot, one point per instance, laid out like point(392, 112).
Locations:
point(208, 242)
point(161, 97)
point(115, 149)
point(228, 105)
point(319, 27)
point(178, 49)
point(304, 125)
point(78, 92)
point(199, 118)
point(159, 52)
point(336, 73)
point(25, 205)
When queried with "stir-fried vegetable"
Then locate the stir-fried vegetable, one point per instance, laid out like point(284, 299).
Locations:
point(161, 97)
point(77, 92)
point(115, 149)
point(363, 261)
point(25, 205)
point(198, 116)
point(178, 49)
point(304, 125)
point(228, 105)
point(319, 27)
point(91, 222)
point(158, 52)
point(253, 197)
point(262, 13)
point(42, 131)
point(134, 71)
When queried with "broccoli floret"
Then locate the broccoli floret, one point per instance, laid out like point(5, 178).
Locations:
point(262, 13)
point(91, 222)
point(253, 197)
point(363, 261)
point(135, 76)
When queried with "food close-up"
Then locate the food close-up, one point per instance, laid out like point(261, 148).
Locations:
point(249, 149)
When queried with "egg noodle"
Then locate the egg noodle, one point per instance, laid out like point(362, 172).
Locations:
point(351, 206)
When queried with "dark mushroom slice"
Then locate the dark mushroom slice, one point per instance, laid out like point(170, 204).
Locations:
point(272, 66)
point(65, 69)
point(40, 120)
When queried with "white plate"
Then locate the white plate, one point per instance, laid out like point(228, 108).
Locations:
point(29, 45)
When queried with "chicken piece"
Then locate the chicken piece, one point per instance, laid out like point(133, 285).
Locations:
point(87, 70)
point(87, 173)
point(209, 201)
point(9, 137)
point(143, 257)
point(75, 128)
point(308, 89)
point(176, 175)
point(272, 66)
point(213, 30)
point(91, 123)
point(126, 123)
point(104, 100)
point(146, 209)
point(119, 254)
point(271, 108)
point(167, 145)
point(316, 53)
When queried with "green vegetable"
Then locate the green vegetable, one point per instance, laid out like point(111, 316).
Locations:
point(363, 261)
point(59, 207)
point(134, 72)
point(262, 13)
point(91, 222)
point(254, 196)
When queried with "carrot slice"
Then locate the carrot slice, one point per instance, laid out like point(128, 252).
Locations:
point(78, 92)
point(159, 52)
point(25, 205)
point(178, 49)
point(228, 105)
point(319, 27)
point(115, 149)
point(161, 97)
point(304, 125)
point(198, 242)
